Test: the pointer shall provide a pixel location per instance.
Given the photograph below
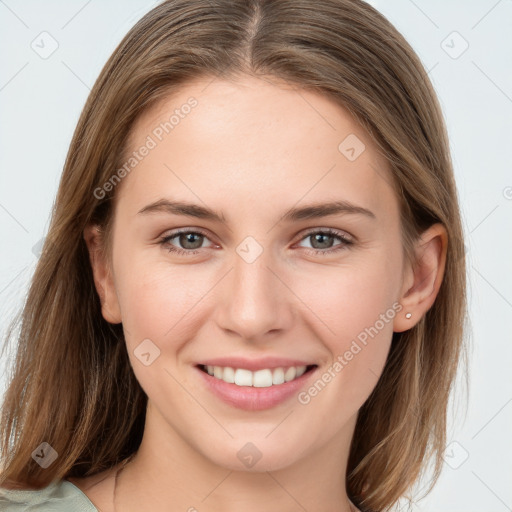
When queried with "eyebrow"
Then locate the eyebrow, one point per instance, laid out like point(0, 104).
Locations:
point(312, 211)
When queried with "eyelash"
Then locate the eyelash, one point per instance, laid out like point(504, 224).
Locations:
point(165, 241)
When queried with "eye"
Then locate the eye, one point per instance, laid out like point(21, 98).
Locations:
point(190, 240)
point(322, 241)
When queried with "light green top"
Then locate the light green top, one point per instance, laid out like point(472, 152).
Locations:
point(61, 496)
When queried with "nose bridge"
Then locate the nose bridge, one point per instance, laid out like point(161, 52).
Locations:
point(255, 302)
point(252, 276)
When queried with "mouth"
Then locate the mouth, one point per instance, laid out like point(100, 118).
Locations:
point(255, 383)
point(263, 378)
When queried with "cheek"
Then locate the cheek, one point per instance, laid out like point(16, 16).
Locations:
point(159, 303)
point(351, 311)
point(346, 299)
point(158, 300)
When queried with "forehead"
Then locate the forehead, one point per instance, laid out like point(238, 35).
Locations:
point(257, 141)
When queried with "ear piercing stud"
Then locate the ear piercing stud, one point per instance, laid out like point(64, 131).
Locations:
point(408, 315)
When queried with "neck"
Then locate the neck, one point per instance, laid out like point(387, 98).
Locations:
point(167, 474)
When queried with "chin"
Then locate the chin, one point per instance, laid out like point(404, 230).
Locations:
point(255, 456)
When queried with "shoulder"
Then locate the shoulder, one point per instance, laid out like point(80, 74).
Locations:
point(98, 488)
point(60, 496)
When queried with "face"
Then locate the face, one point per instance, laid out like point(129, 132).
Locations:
point(250, 275)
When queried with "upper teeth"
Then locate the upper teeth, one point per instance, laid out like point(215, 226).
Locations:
point(259, 379)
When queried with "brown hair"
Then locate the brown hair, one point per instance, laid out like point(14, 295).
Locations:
point(72, 385)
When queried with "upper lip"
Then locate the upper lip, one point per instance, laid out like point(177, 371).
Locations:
point(254, 364)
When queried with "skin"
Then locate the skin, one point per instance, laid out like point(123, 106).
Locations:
point(252, 149)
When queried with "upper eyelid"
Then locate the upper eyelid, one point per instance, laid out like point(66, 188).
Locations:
point(331, 231)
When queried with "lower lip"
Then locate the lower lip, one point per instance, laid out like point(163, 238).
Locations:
point(251, 398)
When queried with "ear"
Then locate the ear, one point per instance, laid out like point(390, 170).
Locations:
point(103, 280)
point(423, 279)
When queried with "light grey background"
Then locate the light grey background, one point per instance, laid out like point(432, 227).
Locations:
point(41, 99)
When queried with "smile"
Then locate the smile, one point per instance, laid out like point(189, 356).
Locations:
point(263, 378)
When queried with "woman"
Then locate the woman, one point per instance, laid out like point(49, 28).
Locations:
point(299, 354)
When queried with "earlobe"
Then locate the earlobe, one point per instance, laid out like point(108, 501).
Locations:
point(424, 278)
point(103, 280)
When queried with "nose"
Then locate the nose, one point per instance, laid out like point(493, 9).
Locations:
point(256, 301)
